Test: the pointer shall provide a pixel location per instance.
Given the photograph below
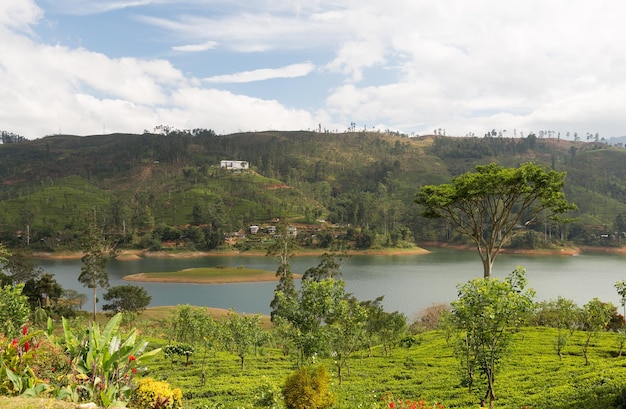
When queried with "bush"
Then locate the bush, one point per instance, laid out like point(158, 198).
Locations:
point(429, 318)
point(307, 388)
point(151, 394)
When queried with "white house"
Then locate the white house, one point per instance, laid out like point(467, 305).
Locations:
point(234, 164)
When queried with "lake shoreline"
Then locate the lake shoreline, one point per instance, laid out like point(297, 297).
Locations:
point(173, 277)
point(423, 249)
point(140, 254)
point(564, 251)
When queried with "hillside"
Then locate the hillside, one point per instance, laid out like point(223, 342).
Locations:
point(135, 185)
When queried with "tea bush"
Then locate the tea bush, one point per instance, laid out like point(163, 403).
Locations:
point(308, 388)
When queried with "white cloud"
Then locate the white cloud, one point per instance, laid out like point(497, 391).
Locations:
point(85, 7)
point(246, 31)
point(289, 71)
point(207, 45)
point(224, 111)
point(19, 15)
point(415, 65)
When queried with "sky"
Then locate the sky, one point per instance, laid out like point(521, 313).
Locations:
point(87, 67)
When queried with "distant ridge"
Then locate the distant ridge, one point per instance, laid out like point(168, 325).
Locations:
point(617, 140)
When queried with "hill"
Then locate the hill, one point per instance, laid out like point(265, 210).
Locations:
point(151, 189)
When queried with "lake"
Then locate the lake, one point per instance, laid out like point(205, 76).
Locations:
point(409, 283)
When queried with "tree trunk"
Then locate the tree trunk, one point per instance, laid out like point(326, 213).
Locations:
point(339, 373)
point(94, 302)
point(487, 265)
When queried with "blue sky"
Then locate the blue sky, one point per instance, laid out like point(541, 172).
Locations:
point(92, 66)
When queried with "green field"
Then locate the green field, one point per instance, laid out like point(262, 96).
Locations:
point(206, 275)
point(532, 376)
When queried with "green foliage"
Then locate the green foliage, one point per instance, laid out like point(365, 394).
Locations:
point(595, 316)
point(620, 286)
point(268, 395)
point(562, 314)
point(366, 179)
point(14, 310)
point(43, 292)
point(242, 332)
point(17, 358)
point(185, 350)
point(97, 251)
point(127, 299)
point(484, 317)
point(383, 327)
point(152, 394)
point(190, 325)
point(488, 204)
point(103, 362)
point(308, 388)
point(20, 266)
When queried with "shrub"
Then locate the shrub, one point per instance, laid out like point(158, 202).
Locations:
point(103, 363)
point(16, 359)
point(389, 401)
point(151, 394)
point(185, 350)
point(267, 395)
point(429, 318)
point(307, 388)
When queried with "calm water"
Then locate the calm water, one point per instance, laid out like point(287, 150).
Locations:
point(409, 283)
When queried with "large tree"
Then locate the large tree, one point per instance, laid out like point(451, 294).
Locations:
point(97, 251)
point(127, 299)
point(21, 266)
point(487, 205)
point(242, 332)
point(283, 248)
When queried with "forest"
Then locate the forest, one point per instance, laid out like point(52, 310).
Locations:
point(153, 190)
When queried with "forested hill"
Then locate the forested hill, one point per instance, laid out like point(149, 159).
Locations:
point(136, 185)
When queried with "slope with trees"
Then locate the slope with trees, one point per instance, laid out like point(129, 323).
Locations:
point(152, 189)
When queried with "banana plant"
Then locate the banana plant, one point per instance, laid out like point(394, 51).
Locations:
point(104, 362)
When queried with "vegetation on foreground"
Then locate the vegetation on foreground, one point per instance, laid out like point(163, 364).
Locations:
point(532, 376)
point(562, 357)
point(323, 348)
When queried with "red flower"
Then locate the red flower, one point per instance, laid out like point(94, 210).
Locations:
point(134, 370)
point(26, 346)
point(392, 405)
point(132, 358)
point(14, 343)
point(24, 330)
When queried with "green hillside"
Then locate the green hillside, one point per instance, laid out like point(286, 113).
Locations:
point(136, 184)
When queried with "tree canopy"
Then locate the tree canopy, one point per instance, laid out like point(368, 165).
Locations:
point(128, 299)
point(489, 204)
point(483, 319)
point(97, 252)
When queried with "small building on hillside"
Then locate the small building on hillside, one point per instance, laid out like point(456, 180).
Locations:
point(234, 164)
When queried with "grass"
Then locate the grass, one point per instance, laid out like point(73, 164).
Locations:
point(531, 376)
point(32, 403)
point(207, 275)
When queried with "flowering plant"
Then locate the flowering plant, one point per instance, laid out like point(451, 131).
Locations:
point(103, 363)
point(16, 359)
point(391, 402)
